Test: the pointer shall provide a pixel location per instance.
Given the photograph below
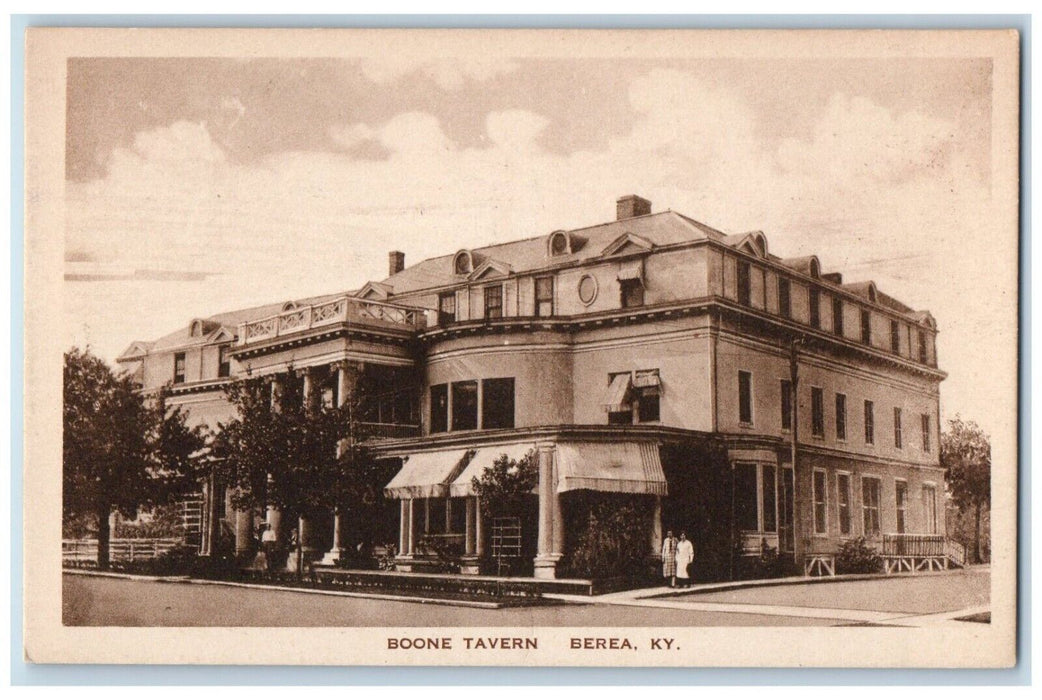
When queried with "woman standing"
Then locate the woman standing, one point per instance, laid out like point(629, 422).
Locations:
point(669, 559)
point(685, 555)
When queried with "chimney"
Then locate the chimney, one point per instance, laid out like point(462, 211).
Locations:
point(630, 206)
point(396, 260)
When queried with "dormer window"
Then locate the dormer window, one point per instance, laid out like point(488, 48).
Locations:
point(463, 263)
point(289, 306)
point(559, 243)
point(196, 328)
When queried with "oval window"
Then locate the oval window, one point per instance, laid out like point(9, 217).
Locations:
point(587, 289)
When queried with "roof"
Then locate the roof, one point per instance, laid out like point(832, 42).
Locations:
point(663, 228)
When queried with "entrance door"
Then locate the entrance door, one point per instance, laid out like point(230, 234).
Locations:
point(786, 534)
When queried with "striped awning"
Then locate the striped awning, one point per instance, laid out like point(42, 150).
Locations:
point(617, 397)
point(615, 467)
point(462, 485)
point(426, 474)
point(632, 271)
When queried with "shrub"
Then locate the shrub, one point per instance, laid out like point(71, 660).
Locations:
point(611, 535)
point(856, 556)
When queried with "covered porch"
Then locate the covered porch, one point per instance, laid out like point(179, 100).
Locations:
point(441, 518)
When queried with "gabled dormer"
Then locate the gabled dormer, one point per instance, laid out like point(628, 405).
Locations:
point(221, 335)
point(135, 351)
point(490, 269)
point(375, 290)
point(627, 244)
point(201, 327)
point(753, 243)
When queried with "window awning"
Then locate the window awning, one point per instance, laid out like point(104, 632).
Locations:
point(485, 456)
point(645, 379)
point(426, 475)
point(615, 467)
point(617, 397)
point(632, 271)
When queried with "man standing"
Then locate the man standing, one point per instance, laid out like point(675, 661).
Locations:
point(268, 544)
point(669, 559)
point(685, 555)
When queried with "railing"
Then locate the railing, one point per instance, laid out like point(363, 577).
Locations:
point(391, 430)
point(955, 552)
point(341, 310)
point(86, 551)
point(906, 545)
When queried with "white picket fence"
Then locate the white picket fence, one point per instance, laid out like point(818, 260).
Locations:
point(79, 552)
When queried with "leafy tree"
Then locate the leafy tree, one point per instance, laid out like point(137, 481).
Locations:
point(503, 486)
point(966, 458)
point(119, 453)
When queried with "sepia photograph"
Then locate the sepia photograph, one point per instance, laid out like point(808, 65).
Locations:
point(488, 347)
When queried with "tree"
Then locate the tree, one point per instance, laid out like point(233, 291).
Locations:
point(966, 458)
point(503, 486)
point(119, 453)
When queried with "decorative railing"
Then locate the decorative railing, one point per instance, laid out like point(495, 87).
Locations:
point(906, 545)
point(341, 310)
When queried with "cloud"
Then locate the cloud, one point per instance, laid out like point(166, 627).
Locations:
point(447, 73)
point(875, 192)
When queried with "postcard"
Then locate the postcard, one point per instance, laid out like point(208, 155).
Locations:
point(681, 348)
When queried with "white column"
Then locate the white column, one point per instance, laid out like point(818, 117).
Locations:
point(403, 526)
point(412, 527)
point(243, 531)
point(344, 387)
point(546, 559)
point(469, 548)
point(479, 529)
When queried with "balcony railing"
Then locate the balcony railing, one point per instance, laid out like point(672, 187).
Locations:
point(908, 545)
point(349, 310)
point(391, 430)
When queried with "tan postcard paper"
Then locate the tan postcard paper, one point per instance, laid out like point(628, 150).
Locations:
point(521, 347)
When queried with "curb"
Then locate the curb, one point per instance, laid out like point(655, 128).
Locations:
point(788, 581)
point(315, 591)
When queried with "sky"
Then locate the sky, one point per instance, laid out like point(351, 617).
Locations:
point(196, 186)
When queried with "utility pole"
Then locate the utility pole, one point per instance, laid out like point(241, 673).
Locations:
point(794, 381)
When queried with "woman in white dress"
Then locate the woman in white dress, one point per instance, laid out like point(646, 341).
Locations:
point(685, 555)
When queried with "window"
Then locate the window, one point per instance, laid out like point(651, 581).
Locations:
point(870, 423)
point(820, 503)
point(784, 297)
point(559, 243)
point(841, 416)
point(179, 368)
point(224, 361)
point(837, 316)
point(446, 308)
point(745, 397)
point(439, 408)
point(817, 412)
point(922, 347)
point(900, 502)
point(745, 497)
point(815, 308)
point(895, 337)
point(866, 327)
point(646, 386)
point(587, 290)
point(770, 515)
point(497, 403)
point(930, 508)
point(464, 405)
point(870, 504)
point(744, 283)
point(786, 404)
point(924, 421)
point(544, 296)
point(632, 293)
point(843, 501)
point(897, 428)
point(494, 301)
point(621, 411)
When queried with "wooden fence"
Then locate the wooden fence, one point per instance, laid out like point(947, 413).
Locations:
point(80, 552)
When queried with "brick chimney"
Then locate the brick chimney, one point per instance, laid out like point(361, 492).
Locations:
point(396, 262)
point(630, 206)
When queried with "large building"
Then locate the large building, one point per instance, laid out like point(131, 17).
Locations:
point(650, 356)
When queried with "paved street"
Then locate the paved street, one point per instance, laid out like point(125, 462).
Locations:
point(119, 602)
point(916, 600)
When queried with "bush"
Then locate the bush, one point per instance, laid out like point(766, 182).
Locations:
point(611, 535)
point(856, 556)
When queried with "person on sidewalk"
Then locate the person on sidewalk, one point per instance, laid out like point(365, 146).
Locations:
point(669, 559)
point(685, 555)
point(269, 543)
